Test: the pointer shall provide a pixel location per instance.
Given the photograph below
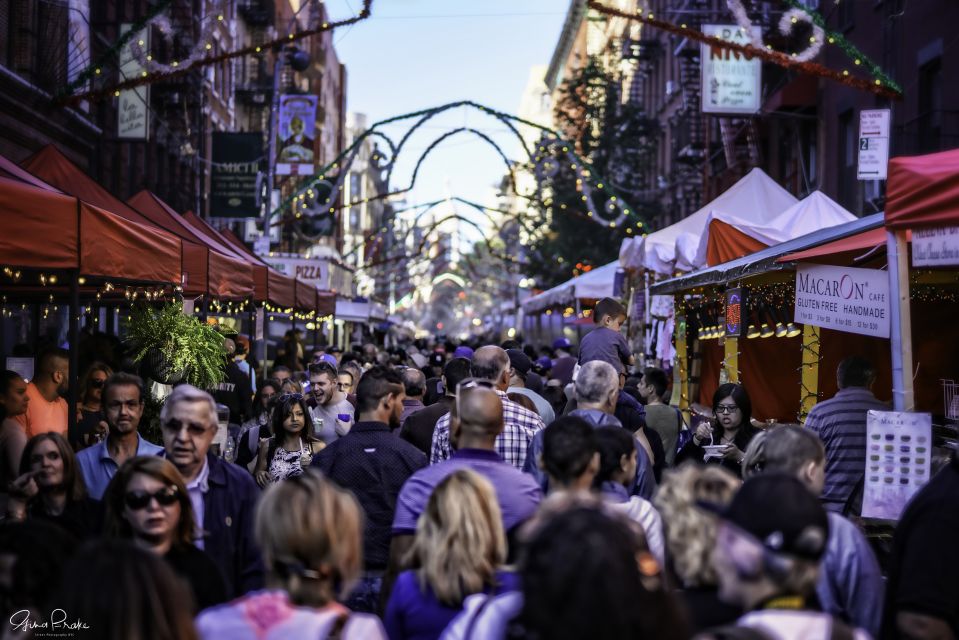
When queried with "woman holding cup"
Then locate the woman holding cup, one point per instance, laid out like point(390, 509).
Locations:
point(724, 439)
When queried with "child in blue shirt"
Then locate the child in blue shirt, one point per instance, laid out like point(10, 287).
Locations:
point(605, 342)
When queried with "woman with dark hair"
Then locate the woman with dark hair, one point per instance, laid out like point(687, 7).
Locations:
point(291, 448)
point(258, 427)
point(90, 410)
point(724, 440)
point(585, 573)
point(148, 503)
point(121, 592)
point(13, 437)
point(50, 486)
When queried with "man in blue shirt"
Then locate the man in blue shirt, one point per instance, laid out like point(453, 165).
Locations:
point(122, 407)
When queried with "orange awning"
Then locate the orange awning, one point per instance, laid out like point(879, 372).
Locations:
point(226, 275)
point(923, 191)
point(726, 243)
point(42, 229)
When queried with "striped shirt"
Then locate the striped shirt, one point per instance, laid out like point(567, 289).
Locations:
point(840, 423)
point(519, 426)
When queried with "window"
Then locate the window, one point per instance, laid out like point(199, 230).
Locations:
point(848, 150)
point(930, 106)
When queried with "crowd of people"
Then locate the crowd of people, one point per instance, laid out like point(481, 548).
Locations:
point(454, 491)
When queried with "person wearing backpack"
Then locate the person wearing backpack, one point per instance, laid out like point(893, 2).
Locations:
point(770, 542)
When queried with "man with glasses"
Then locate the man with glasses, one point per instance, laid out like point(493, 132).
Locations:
point(122, 407)
point(331, 411)
point(491, 365)
point(47, 410)
point(223, 495)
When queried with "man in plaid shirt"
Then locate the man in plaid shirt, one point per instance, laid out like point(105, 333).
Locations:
point(520, 424)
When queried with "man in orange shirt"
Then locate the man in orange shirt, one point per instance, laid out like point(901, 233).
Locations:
point(47, 410)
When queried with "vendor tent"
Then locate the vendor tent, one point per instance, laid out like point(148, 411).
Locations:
point(756, 198)
point(592, 285)
point(923, 191)
point(730, 236)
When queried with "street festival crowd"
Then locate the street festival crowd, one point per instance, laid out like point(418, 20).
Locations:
point(452, 491)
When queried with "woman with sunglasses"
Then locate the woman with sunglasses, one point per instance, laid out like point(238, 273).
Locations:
point(90, 410)
point(148, 503)
point(724, 440)
point(292, 447)
point(50, 487)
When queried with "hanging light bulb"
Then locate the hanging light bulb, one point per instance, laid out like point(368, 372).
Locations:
point(766, 331)
point(792, 330)
point(752, 331)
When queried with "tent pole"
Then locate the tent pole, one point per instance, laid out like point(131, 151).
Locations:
point(74, 355)
point(897, 250)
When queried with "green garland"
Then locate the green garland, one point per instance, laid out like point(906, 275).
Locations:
point(857, 56)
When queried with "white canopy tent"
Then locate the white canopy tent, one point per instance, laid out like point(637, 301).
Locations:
point(815, 211)
point(756, 198)
point(592, 285)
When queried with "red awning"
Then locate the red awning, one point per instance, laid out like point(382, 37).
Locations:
point(220, 274)
point(859, 243)
point(42, 229)
point(923, 191)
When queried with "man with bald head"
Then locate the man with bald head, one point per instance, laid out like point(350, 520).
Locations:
point(491, 364)
point(415, 383)
point(476, 427)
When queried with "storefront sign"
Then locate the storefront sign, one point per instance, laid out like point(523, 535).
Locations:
point(314, 271)
point(873, 144)
point(732, 82)
point(233, 176)
point(843, 299)
point(133, 105)
point(296, 132)
point(898, 461)
point(734, 310)
point(935, 247)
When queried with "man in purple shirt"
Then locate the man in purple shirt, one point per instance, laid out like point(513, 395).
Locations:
point(476, 422)
point(415, 383)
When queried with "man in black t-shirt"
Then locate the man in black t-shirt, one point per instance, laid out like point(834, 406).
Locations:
point(235, 391)
point(922, 594)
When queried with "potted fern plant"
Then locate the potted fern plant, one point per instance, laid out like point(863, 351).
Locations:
point(172, 347)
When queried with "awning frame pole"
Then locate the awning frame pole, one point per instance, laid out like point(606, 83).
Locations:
point(900, 318)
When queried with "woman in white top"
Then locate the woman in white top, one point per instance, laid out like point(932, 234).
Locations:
point(310, 532)
point(617, 471)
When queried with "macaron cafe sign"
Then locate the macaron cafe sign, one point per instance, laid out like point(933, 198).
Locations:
point(843, 299)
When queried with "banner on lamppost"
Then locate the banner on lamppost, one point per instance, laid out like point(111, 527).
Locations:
point(732, 82)
point(296, 133)
point(233, 176)
point(133, 105)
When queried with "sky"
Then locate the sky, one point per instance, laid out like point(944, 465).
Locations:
point(418, 54)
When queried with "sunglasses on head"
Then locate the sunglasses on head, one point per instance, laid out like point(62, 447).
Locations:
point(138, 500)
point(472, 383)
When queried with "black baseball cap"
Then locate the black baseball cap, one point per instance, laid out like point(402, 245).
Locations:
point(781, 513)
point(519, 361)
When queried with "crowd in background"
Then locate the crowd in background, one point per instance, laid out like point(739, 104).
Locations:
point(451, 491)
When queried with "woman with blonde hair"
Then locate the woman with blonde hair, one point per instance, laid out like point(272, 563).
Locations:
point(148, 503)
point(90, 408)
point(690, 535)
point(459, 550)
point(310, 533)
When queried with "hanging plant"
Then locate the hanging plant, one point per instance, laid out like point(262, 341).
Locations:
point(172, 347)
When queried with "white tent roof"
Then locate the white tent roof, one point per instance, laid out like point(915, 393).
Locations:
point(756, 197)
point(815, 211)
point(594, 284)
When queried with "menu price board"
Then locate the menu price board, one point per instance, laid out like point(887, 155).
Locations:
point(898, 461)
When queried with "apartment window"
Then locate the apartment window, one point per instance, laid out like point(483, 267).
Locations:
point(848, 150)
point(930, 106)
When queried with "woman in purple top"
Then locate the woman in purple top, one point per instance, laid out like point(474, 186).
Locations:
point(462, 518)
